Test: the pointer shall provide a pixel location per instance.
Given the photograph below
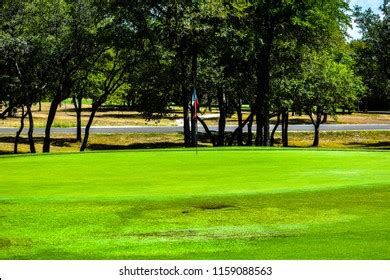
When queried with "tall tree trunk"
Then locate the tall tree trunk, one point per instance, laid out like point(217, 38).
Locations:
point(19, 131)
point(39, 106)
point(63, 92)
point(31, 130)
point(262, 111)
point(249, 140)
point(222, 117)
point(272, 141)
point(184, 99)
point(186, 118)
point(325, 118)
point(95, 107)
point(285, 128)
point(239, 120)
point(263, 76)
point(259, 128)
point(209, 101)
point(50, 119)
point(316, 124)
point(266, 134)
point(316, 140)
point(77, 102)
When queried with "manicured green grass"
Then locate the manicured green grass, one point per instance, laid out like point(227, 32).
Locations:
point(218, 204)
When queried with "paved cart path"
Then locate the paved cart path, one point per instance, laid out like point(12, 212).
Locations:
point(178, 129)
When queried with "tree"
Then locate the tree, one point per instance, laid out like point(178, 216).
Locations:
point(19, 57)
point(181, 31)
point(372, 55)
point(108, 77)
point(269, 21)
point(71, 28)
point(22, 60)
point(288, 57)
point(218, 76)
point(136, 33)
point(325, 85)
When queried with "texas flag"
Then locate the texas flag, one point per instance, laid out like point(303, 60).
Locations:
point(194, 102)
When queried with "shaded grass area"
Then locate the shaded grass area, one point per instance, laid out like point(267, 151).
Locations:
point(219, 204)
point(343, 139)
point(67, 143)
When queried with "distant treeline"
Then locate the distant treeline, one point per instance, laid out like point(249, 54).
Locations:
point(278, 56)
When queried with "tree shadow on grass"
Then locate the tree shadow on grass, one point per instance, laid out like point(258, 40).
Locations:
point(3, 152)
point(62, 142)
point(119, 116)
point(11, 139)
point(159, 145)
point(148, 145)
point(59, 142)
point(299, 121)
point(382, 145)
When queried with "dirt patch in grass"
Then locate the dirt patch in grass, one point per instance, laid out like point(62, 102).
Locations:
point(21, 242)
point(214, 234)
point(5, 242)
point(214, 206)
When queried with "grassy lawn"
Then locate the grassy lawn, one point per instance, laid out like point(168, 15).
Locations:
point(174, 204)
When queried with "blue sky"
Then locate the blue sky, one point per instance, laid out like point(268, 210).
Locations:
point(373, 4)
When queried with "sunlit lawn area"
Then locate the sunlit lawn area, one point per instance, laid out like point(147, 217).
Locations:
point(176, 204)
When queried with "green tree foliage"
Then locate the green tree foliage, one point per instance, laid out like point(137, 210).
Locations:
point(373, 57)
point(22, 63)
point(108, 76)
point(72, 31)
point(325, 84)
point(269, 23)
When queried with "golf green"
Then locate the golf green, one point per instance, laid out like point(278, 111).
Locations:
point(216, 204)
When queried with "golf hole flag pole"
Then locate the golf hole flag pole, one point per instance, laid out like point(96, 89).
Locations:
point(194, 121)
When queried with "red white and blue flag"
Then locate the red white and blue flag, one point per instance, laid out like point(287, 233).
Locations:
point(194, 103)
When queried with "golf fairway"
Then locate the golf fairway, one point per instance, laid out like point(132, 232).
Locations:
point(176, 204)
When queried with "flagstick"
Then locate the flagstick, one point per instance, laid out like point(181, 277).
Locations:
point(196, 145)
point(194, 115)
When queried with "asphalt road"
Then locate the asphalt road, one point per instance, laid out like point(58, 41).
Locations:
point(176, 129)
